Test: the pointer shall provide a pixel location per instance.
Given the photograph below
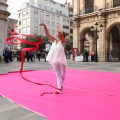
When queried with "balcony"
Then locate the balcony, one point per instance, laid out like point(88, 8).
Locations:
point(112, 5)
point(88, 10)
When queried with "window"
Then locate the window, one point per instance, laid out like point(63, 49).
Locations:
point(57, 11)
point(53, 17)
point(89, 6)
point(23, 13)
point(67, 34)
point(70, 9)
point(28, 28)
point(35, 29)
point(23, 30)
point(47, 14)
point(45, 7)
point(39, 5)
point(64, 19)
point(19, 15)
point(70, 15)
point(64, 13)
point(51, 9)
point(27, 12)
point(68, 20)
point(53, 32)
point(60, 12)
point(19, 23)
point(66, 27)
point(28, 20)
point(19, 31)
point(53, 24)
point(42, 30)
point(47, 22)
point(116, 3)
point(58, 24)
point(58, 17)
point(23, 21)
point(71, 23)
point(35, 20)
point(71, 31)
point(36, 12)
point(41, 21)
point(41, 13)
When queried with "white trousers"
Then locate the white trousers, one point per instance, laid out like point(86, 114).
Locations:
point(60, 70)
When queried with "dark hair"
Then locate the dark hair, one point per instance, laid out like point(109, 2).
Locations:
point(64, 35)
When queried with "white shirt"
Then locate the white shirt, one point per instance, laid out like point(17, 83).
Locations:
point(56, 54)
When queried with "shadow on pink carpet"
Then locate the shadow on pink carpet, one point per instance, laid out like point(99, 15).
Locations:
point(87, 95)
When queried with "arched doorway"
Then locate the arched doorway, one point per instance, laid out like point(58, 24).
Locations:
point(87, 41)
point(114, 42)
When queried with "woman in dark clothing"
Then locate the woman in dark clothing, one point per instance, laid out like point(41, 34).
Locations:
point(6, 55)
point(39, 54)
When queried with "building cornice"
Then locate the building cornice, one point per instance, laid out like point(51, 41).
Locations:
point(102, 12)
point(4, 4)
point(112, 9)
point(6, 13)
point(3, 19)
point(85, 15)
point(42, 10)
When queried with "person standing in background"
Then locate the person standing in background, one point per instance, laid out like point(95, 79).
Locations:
point(92, 54)
point(86, 55)
point(38, 55)
point(110, 56)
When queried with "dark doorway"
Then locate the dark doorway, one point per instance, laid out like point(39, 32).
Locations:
point(115, 43)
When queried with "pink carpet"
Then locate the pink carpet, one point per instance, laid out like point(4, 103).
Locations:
point(87, 95)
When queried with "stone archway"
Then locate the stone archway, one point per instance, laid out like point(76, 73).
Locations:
point(86, 40)
point(113, 41)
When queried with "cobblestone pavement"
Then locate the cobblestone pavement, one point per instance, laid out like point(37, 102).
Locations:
point(12, 111)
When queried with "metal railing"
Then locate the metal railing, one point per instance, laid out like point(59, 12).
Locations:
point(88, 10)
point(112, 5)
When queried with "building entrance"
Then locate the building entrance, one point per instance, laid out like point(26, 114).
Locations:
point(114, 43)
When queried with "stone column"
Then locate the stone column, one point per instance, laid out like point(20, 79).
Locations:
point(91, 46)
point(76, 4)
point(3, 25)
point(76, 36)
point(102, 44)
point(76, 28)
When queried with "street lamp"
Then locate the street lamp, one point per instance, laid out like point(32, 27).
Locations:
point(95, 30)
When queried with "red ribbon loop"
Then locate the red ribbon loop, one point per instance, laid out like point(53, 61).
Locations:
point(18, 37)
point(35, 45)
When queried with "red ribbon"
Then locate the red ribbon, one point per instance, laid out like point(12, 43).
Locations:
point(18, 37)
point(10, 40)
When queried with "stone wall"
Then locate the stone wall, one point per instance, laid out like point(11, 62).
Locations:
point(104, 13)
point(3, 24)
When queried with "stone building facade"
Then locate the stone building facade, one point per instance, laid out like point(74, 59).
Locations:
point(52, 13)
point(105, 12)
point(11, 24)
point(3, 24)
